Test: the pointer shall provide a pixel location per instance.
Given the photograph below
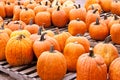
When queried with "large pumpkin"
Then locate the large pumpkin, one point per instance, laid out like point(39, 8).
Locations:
point(51, 65)
point(91, 66)
point(3, 41)
point(71, 52)
point(114, 70)
point(19, 51)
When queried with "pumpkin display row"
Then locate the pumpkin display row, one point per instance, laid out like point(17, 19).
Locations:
point(57, 53)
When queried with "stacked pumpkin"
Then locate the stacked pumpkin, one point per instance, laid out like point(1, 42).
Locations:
point(25, 36)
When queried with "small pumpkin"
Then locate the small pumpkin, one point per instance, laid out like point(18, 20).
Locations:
point(32, 28)
point(43, 44)
point(27, 14)
point(43, 18)
point(98, 30)
point(81, 40)
point(59, 17)
point(91, 66)
point(107, 50)
point(54, 71)
point(77, 27)
point(3, 42)
point(71, 52)
point(19, 51)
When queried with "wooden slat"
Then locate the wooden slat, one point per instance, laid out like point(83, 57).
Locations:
point(33, 75)
point(70, 76)
point(28, 70)
point(18, 68)
point(3, 62)
point(7, 66)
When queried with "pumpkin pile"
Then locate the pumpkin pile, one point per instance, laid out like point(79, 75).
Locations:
point(25, 35)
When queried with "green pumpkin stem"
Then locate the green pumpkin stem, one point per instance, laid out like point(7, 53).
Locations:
point(42, 38)
point(97, 21)
point(95, 11)
point(91, 54)
point(107, 39)
point(51, 49)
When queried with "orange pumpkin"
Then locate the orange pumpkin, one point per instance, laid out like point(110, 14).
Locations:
point(3, 42)
point(81, 40)
point(31, 5)
point(77, 27)
point(114, 69)
point(19, 51)
point(9, 9)
point(71, 52)
point(91, 66)
point(2, 10)
point(59, 17)
point(78, 12)
point(32, 28)
point(98, 30)
point(26, 15)
point(43, 18)
point(54, 71)
point(115, 33)
point(43, 44)
point(107, 50)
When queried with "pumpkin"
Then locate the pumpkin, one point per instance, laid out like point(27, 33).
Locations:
point(61, 39)
point(26, 2)
point(59, 17)
point(2, 10)
point(114, 69)
point(15, 25)
point(77, 27)
point(43, 18)
point(91, 66)
point(105, 4)
point(78, 12)
point(81, 40)
point(32, 28)
point(46, 3)
point(89, 2)
point(107, 50)
point(43, 44)
point(54, 71)
point(16, 12)
point(9, 9)
point(3, 42)
point(31, 5)
point(98, 30)
point(3, 29)
point(27, 14)
point(114, 7)
point(115, 32)
point(19, 51)
point(91, 17)
point(71, 52)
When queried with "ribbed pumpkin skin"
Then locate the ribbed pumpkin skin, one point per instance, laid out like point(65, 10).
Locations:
point(91, 68)
point(51, 66)
point(3, 41)
point(19, 51)
point(71, 52)
point(114, 70)
point(108, 51)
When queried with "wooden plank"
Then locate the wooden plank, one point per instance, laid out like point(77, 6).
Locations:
point(3, 62)
point(28, 70)
point(7, 66)
point(33, 75)
point(70, 76)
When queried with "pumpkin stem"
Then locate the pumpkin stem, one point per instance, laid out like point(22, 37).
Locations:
point(91, 54)
point(105, 17)
point(20, 37)
point(51, 49)
point(56, 3)
point(16, 22)
point(40, 3)
point(39, 31)
point(8, 3)
point(46, 3)
point(79, 6)
point(26, 8)
point(92, 7)
point(75, 6)
point(107, 39)
point(58, 8)
point(116, 17)
point(18, 2)
point(31, 21)
point(42, 38)
point(78, 19)
point(97, 21)
point(20, 7)
point(95, 11)
point(43, 25)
